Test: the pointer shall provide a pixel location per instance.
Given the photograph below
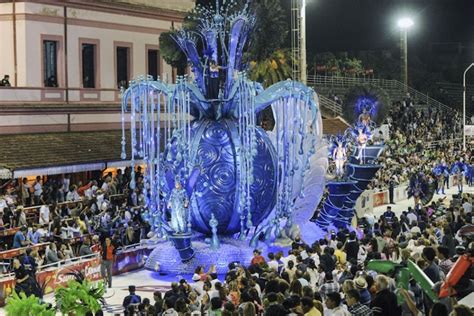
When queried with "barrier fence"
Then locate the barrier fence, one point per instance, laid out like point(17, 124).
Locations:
point(370, 199)
point(57, 274)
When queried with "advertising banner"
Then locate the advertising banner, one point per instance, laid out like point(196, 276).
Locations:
point(55, 277)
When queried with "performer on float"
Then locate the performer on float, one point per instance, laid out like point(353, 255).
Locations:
point(364, 118)
point(361, 134)
point(178, 204)
point(339, 154)
point(214, 84)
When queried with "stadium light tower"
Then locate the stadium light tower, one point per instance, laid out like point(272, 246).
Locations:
point(404, 24)
point(298, 39)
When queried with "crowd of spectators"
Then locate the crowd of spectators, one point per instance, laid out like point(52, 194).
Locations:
point(71, 220)
point(330, 276)
point(419, 139)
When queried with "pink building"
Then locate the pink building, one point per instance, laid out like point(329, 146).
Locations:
point(66, 59)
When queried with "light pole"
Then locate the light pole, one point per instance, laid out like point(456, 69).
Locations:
point(404, 24)
point(298, 39)
point(303, 42)
point(464, 106)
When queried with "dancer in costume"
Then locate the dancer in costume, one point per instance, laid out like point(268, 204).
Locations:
point(178, 204)
point(361, 134)
point(459, 170)
point(213, 80)
point(445, 169)
point(439, 173)
point(415, 190)
point(339, 154)
point(421, 188)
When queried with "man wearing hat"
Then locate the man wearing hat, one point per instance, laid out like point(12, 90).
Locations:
point(364, 295)
point(198, 284)
point(130, 299)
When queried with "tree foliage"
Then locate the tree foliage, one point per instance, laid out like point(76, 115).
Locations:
point(79, 297)
point(338, 64)
point(170, 51)
point(20, 304)
point(276, 67)
point(264, 47)
point(271, 29)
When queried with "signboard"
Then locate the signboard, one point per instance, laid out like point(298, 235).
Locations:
point(55, 277)
point(379, 198)
point(469, 130)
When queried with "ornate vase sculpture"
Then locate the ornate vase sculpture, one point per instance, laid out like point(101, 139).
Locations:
point(235, 175)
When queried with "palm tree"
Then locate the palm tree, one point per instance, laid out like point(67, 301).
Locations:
point(276, 67)
point(271, 29)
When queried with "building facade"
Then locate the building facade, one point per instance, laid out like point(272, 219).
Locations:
point(67, 59)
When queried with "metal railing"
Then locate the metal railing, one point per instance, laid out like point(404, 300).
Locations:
point(335, 81)
point(436, 143)
point(329, 104)
point(57, 264)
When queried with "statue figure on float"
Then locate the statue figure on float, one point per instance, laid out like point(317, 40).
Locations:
point(178, 204)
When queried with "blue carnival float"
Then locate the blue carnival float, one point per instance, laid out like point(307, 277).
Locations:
point(337, 210)
point(210, 170)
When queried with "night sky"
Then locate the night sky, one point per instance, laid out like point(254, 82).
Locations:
point(345, 25)
point(371, 24)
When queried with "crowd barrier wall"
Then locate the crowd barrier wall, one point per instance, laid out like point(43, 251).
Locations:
point(56, 274)
point(372, 198)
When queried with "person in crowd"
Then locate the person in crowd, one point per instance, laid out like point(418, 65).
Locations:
point(352, 248)
point(329, 286)
point(131, 299)
point(34, 235)
point(29, 263)
point(168, 307)
point(307, 304)
point(20, 218)
point(257, 259)
point(432, 269)
point(389, 214)
point(52, 255)
point(72, 195)
point(24, 281)
point(364, 294)
point(85, 248)
point(354, 305)
point(44, 215)
point(25, 192)
point(107, 253)
point(333, 303)
point(385, 301)
point(38, 191)
point(19, 239)
point(5, 82)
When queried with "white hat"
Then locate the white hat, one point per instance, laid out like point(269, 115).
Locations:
point(196, 277)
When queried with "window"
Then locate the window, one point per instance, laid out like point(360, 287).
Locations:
point(50, 63)
point(154, 63)
point(88, 65)
point(123, 65)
